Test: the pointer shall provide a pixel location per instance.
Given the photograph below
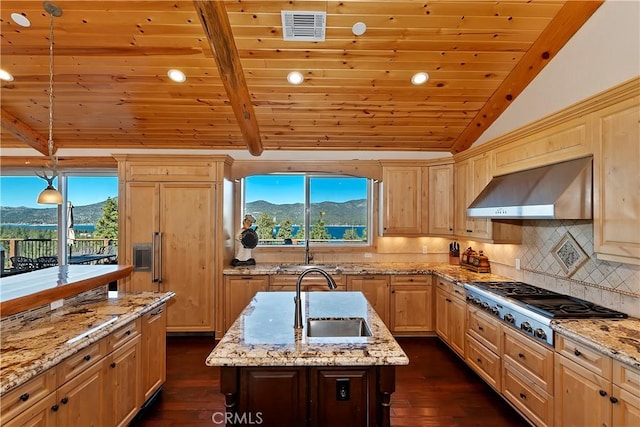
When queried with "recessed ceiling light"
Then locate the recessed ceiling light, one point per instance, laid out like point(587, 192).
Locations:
point(177, 76)
point(5, 75)
point(295, 77)
point(20, 19)
point(419, 78)
point(359, 28)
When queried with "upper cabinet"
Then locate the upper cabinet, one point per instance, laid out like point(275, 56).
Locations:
point(616, 182)
point(417, 200)
point(471, 176)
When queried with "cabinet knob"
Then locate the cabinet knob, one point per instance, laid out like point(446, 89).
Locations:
point(128, 332)
point(521, 355)
point(523, 396)
point(480, 328)
point(24, 397)
point(602, 393)
point(87, 357)
point(577, 352)
point(447, 299)
point(479, 360)
point(613, 399)
point(113, 364)
point(64, 400)
point(54, 408)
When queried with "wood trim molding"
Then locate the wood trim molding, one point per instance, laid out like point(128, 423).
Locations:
point(363, 168)
point(64, 163)
point(23, 132)
point(582, 108)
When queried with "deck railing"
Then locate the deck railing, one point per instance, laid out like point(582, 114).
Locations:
point(34, 248)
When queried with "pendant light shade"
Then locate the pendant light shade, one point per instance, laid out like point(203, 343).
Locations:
point(50, 196)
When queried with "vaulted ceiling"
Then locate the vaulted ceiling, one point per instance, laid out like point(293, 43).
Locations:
point(111, 59)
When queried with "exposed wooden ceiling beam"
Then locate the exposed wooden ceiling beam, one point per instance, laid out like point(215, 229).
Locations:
point(564, 25)
point(215, 22)
point(23, 132)
point(64, 163)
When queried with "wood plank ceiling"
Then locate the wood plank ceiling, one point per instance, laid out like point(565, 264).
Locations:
point(111, 61)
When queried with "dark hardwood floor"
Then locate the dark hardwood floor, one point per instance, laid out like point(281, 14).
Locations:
point(435, 389)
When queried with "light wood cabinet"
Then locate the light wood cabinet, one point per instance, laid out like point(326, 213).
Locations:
point(81, 401)
point(153, 351)
point(411, 305)
point(376, 289)
point(22, 403)
point(402, 197)
point(123, 383)
point(591, 389)
point(616, 181)
point(451, 309)
point(471, 176)
point(441, 200)
point(483, 345)
point(417, 200)
point(238, 292)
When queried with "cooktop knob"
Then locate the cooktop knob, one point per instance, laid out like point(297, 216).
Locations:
point(526, 326)
point(495, 311)
point(539, 333)
point(509, 318)
point(477, 301)
point(485, 305)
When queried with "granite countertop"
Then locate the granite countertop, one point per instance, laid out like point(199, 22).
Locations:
point(617, 338)
point(263, 334)
point(447, 271)
point(32, 346)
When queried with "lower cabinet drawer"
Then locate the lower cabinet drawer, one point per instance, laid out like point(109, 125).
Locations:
point(531, 357)
point(28, 394)
point(486, 363)
point(73, 365)
point(533, 402)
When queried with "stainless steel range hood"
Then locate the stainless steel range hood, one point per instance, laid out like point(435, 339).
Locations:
point(557, 191)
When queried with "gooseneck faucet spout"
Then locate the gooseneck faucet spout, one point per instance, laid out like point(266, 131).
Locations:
point(331, 283)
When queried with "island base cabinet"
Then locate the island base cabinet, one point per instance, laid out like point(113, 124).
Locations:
point(308, 396)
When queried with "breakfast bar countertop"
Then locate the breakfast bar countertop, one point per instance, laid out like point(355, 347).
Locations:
point(32, 346)
point(263, 334)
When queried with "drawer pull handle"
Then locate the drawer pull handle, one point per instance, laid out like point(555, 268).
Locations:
point(480, 328)
point(368, 278)
point(24, 397)
point(87, 357)
point(64, 400)
point(113, 364)
point(54, 408)
point(521, 356)
point(457, 292)
point(602, 393)
point(577, 352)
point(128, 332)
point(448, 300)
point(523, 396)
point(157, 312)
point(613, 399)
point(479, 360)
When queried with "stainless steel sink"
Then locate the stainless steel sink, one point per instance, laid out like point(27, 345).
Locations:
point(338, 327)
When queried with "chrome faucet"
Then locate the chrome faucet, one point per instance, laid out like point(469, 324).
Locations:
point(297, 321)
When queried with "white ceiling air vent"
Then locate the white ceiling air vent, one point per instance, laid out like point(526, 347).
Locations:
point(303, 26)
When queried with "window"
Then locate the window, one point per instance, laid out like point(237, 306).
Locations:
point(330, 209)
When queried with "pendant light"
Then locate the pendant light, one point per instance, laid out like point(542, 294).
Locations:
point(50, 195)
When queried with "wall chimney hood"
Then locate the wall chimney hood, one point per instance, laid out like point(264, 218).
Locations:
point(558, 191)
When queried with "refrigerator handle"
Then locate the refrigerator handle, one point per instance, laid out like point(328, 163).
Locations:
point(159, 259)
point(154, 279)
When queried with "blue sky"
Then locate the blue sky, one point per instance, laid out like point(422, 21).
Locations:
point(23, 190)
point(284, 189)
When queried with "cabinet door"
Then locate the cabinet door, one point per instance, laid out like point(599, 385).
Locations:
point(441, 200)
point(81, 400)
point(442, 314)
point(626, 408)
point(616, 181)
point(187, 218)
point(40, 414)
point(122, 381)
point(141, 221)
point(477, 179)
point(376, 290)
point(340, 397)
point(460, 226)
point(582, 397)
point(411, 309)
point(457, 315)
point(238, 292)
point(402, 200)
point(153, 358)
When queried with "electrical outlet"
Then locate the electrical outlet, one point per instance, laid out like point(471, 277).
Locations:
point(367, 255)
point(517, 263)
point(425, 250)
point(57, 304)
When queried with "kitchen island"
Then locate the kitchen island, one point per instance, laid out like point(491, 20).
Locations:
point(278, 376)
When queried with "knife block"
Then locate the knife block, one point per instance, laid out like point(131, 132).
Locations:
point(454, 259)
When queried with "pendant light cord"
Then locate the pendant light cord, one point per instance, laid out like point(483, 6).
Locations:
point(50, 141)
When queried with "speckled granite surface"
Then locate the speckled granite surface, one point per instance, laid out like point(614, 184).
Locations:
point(618, 338)
point(33, 346)
point(448, 271)
point(263, 334)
